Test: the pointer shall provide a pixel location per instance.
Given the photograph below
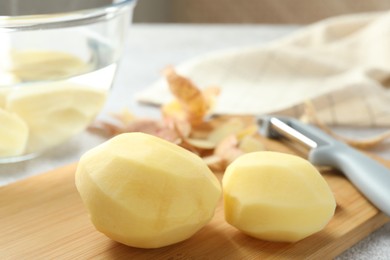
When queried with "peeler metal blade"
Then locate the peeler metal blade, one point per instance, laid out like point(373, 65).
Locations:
point(368, 175)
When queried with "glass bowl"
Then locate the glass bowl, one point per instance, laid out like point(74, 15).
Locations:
point(58, 60)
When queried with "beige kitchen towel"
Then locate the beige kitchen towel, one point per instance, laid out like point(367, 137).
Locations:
point(341, 64)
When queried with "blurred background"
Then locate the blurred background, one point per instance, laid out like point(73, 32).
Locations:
point(216, 11)
point(250, 11)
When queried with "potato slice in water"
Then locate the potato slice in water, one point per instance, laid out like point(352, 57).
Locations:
point(13, 134)
point(276, 196)
point(35, 65)
point(55, 112)
point(143, 191)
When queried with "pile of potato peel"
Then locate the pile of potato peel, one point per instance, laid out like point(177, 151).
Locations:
point(186, 121)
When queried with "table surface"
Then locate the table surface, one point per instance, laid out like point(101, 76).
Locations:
point(149, 48)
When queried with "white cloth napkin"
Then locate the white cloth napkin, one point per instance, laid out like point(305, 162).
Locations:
point(341, 64)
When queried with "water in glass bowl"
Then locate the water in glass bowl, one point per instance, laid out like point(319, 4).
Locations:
point(49, 93)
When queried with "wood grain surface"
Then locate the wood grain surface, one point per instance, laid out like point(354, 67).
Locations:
point(42, 217)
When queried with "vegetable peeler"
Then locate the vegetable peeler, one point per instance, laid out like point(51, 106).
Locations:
point(369, 176)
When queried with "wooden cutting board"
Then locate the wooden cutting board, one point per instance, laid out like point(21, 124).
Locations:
point(43, 218)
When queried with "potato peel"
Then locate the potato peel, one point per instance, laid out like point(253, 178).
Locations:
point(190, 102)
point(185, 121)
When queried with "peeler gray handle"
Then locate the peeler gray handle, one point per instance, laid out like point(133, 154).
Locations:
point(369, 176)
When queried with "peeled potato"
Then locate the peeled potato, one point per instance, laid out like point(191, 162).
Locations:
point(54, 112)
point(146, 192)
point(277, 197)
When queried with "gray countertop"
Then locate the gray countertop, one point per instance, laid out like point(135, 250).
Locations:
point(149, 49)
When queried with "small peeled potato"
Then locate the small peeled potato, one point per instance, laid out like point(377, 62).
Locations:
point(54, 112)
point(13, 134)
point(277, 197)
point(143, 191)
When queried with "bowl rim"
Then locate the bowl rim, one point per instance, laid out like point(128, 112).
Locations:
point(64, 19)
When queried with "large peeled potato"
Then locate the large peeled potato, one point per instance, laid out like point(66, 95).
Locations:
point(276, 196)
point(145, 192)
